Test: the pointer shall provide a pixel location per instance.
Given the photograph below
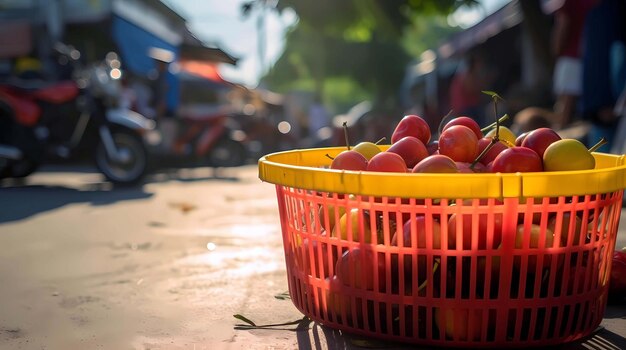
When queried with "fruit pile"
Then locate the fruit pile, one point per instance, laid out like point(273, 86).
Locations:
point(462, 147)
point(428, 250)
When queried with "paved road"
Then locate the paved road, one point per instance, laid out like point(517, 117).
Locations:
point(163, 265)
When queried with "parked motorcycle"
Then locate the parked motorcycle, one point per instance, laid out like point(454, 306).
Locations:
point(201, 135)
point(63, 118)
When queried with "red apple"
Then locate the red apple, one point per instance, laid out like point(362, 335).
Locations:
point(489, 167)
point(387, 162)
point(520, 138)
point(459, 143)
point(312, 253)
point(457, 324)
point(565, 228)
point(411, 149)
point(539, 139)
point(465, 121)
point(493, 152)
point(483, 228)
point(437, 163)
point(357, 268)
point(433, 147)
point(420, 232)
point(517, 159)
point(576, 280)
point(412, 125)
point(405, 239)
point(349, 160)
point(338, 301)
point(617, 280)
point(465, 167)
point(534, 233)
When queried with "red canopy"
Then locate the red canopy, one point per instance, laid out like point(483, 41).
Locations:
point(207, 70)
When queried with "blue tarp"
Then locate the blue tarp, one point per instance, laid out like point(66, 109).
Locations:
point(134, 43)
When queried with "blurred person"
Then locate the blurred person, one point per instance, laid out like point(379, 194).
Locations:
point(532, 118)
point(465, 89)
point(603, 68)
point(566, 47)
point(128, 96)
point(619, 141)
point(318, 117)
point(159, 88)
point(143, 98)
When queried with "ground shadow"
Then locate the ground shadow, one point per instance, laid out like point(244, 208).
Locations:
point(191, 175)
point(155, 174)
point(23, 201)
point(23, 198)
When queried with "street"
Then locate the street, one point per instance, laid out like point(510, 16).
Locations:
point(162, 265)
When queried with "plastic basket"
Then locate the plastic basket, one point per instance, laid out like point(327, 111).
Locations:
point(462, 260)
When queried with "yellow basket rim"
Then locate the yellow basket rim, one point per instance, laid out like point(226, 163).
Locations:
point(305, 169)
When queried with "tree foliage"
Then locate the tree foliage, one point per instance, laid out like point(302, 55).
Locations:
point(359, 40)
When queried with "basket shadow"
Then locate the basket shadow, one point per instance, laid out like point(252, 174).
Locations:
point(323, 337)
point(601, 339)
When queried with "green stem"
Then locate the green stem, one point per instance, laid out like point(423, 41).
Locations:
point(482, 154)
point(600, 143)
point(444, 120)
point(345, 132)
point(495, 112)
point(492, 125)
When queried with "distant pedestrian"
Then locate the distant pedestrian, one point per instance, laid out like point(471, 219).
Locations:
point(569, 20)
point(604, 68)
point(128, 96)
point(160, 88)
point(318, 117)
point(466, 98)
point(159, 96)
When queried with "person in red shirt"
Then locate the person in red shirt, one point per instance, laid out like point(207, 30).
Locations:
point(569, 20)
point(465, 89)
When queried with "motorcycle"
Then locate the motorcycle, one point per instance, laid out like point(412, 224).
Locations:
point(67, 117)
point(201, 136)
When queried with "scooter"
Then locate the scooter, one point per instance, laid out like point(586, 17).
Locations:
point(201, 136)
point(63, 118)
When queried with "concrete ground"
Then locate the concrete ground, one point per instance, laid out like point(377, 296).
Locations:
point(164, 265)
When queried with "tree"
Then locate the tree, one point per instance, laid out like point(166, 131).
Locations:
point(358, 39)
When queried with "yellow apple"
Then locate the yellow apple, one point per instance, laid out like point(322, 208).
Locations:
point(567, 154)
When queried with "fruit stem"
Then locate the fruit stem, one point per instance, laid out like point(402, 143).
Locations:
point(482, 154)
point(444, 120)
point(598, 145)
point(328, 155)
point(345, 133)
point(381, 140)
point(492, 125)
point(495, 112)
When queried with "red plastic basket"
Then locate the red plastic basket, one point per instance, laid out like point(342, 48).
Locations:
point(485, 271)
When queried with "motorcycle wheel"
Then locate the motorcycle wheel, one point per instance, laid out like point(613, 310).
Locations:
point(227, 153)
point(24, 138)
point(22, 168)
point(127, 172)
